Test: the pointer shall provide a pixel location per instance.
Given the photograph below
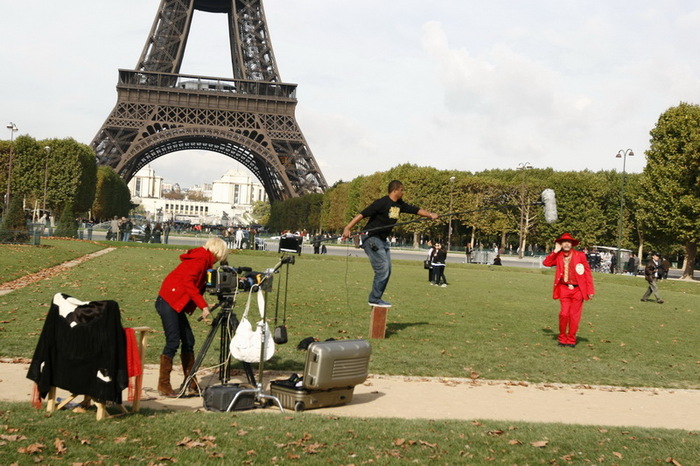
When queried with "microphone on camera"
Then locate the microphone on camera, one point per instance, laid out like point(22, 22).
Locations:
point(549, 200)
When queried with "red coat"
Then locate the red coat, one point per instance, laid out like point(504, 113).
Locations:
point(579, 262)
point(183, 287)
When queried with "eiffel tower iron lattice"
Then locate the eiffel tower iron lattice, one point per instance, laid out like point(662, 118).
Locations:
point(249, 118)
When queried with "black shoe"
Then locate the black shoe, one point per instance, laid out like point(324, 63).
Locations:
point(644, 300)
point(561, 344)
point(570, 345)
point(660, 301)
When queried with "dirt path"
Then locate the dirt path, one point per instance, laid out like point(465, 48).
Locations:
point(442, 398)
point(43, 274)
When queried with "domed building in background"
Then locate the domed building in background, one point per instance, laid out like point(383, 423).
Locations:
point(228, 201)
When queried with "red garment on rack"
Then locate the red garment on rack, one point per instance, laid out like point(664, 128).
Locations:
point(133, 361)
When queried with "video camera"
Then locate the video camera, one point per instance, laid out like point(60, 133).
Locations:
point(225, 280)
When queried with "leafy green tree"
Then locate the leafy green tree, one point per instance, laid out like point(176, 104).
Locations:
point(112, 196)
point(335, 212)
point(14, 226)
point(670, 205)
point(198, 196)
point(67, 170)
point(67, 227)
point(261, 212)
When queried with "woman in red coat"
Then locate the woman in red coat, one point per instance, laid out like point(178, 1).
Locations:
point(180, 294)
point(573, 284)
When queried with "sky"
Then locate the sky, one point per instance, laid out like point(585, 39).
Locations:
point(453, 84)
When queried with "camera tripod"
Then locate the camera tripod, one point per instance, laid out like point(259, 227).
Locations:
point(225, 323)
point(259, 391)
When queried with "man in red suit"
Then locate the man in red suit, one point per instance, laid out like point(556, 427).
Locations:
point(573, 283)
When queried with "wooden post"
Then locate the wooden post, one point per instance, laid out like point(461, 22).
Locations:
point(377, 322)
point(141, 340)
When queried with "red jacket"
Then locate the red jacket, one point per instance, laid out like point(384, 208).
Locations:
point(183, 287)
point(583, 271)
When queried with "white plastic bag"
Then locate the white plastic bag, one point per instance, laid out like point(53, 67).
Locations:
point(246, 342)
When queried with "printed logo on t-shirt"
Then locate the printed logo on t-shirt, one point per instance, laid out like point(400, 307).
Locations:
point(394, 212)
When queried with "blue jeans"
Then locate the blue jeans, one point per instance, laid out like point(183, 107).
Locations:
point(176, 327)
point(379, 256)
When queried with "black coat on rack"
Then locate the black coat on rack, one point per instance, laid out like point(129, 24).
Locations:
point(82, 349)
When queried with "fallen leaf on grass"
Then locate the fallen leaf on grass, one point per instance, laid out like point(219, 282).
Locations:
point(60, 446)
point(314, 448)
point(619, 455)
point(514, 442)
point(31, 449)
point(672, 461)
point(540, 443)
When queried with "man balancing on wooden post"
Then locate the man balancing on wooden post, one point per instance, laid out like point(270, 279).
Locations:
point(383, 214)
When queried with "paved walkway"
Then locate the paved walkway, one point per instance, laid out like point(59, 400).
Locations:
point(463, 399)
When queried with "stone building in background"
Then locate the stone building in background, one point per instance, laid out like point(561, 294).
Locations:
point(227, 201)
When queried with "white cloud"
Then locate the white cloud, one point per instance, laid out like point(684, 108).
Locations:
point(557, 83)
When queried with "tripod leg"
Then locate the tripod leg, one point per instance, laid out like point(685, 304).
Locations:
point(202, 353)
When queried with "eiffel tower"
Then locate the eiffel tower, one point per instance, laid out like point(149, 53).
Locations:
point(249, 118)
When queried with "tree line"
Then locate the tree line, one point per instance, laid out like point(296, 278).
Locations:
point(660, 208)
point(61, 174)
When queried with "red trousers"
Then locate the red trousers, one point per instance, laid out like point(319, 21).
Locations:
point(571, 306)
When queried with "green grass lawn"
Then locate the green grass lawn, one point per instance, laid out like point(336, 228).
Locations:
point(19, 260)
point(498, 322)
point(159, 437)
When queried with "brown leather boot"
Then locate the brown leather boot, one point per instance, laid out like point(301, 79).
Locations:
point(164, 387)
point(187, 363)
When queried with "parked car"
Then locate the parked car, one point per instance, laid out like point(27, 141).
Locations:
point(137, 234)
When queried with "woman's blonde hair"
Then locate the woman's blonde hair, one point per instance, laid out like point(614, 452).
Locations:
point(218, 247)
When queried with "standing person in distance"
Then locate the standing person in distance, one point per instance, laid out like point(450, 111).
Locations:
point(180, 294)
point(383, 214)
point(429, 262)
point(438, 262)
point(653, 272)
point(573, 284)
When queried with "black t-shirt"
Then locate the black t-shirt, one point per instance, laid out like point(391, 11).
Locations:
point(384, 212)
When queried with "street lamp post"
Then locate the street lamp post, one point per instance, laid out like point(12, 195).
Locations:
point(13, 128)
point(46, 176)
point(521, 239)
point(622, 154)
point(449, 228)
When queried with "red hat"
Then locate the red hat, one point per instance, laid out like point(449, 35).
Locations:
point(567, 237)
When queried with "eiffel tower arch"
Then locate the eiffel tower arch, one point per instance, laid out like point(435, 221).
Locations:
point(249, 118)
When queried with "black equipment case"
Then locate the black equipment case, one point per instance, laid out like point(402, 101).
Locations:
point(218, 397)
point(332, 370)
